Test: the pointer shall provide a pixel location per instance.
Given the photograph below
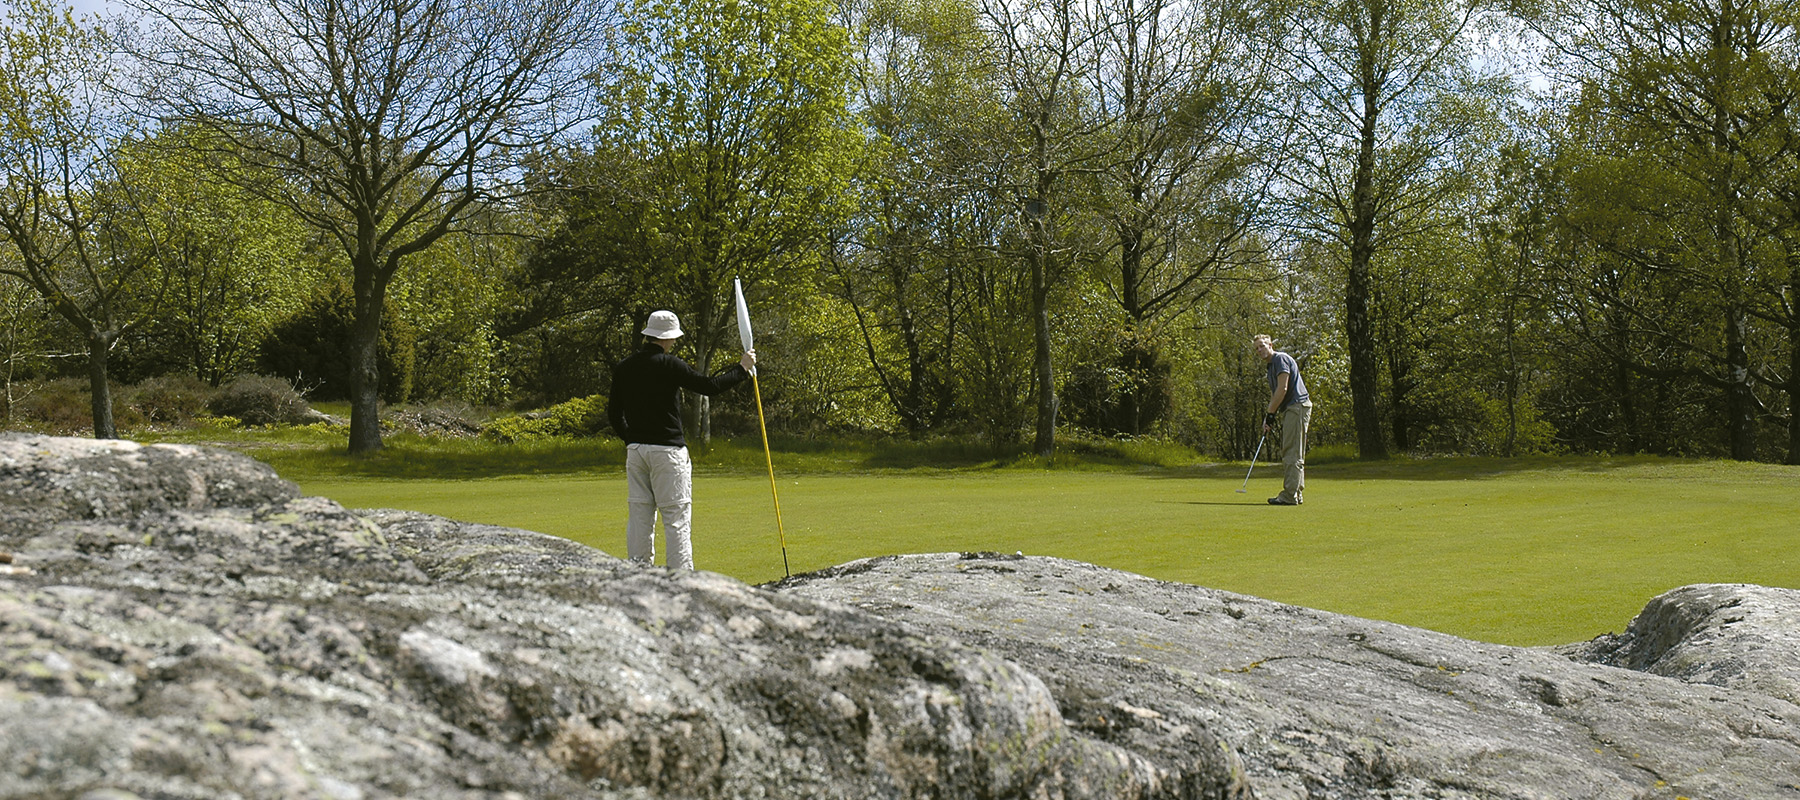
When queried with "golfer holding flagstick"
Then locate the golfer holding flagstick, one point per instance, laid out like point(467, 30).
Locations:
point(645, 411)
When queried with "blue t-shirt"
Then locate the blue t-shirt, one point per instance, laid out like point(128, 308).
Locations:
point(1282, 362)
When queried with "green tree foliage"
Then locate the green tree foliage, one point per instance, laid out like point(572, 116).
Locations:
point(314, 348)
point(1682, 126)
point(929, 205)
point(574, 302)
point(234, 263)
point(1045, 59)
point(737, 112)
point(1181, 87)
point(1384, 89)
point(1511, 331)
point(26, 342)
point(384, 124)
point(451, 298)
point(66, 210)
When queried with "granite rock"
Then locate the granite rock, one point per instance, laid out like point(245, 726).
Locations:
point(1321, 705)
point(181, 623)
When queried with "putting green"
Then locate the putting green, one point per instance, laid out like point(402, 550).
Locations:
point(1517, 552)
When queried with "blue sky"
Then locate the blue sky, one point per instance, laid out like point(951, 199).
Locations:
point(83, 7)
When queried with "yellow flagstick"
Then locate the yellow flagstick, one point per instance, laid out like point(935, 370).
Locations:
point(780, 530)
point(747, 339)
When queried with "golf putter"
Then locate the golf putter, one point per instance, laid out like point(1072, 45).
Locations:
point(1259, 443)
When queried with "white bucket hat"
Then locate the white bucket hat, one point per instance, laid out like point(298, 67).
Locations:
point(663, 325)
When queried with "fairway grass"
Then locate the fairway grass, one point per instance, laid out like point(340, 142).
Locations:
point(1524, 552)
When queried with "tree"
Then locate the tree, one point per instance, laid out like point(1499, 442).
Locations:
point(1384, 88)
point(233, 263)
point(569, 303)
point(1780, 297)
point(64, 205)
point(382, 123)
point(1777, 295)
point(1181, 85)
point(1045, 54)
point(1683, 104)
point(1513, 229)
point(24, 339)
point(738, 111)
point(932, 105)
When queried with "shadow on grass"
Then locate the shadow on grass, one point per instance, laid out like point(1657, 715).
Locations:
point(1433, 468)
point(303, 454)
point(410, 458)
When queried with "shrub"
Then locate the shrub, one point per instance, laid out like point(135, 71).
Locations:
point(313, 348)
point(260, 400)
point(582, 416)
point(63, 406)
point(170, 399)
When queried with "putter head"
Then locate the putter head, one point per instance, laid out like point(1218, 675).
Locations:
point(1241, 491)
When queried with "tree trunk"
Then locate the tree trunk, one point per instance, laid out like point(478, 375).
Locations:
point(365, 363)
point(1793, 390)
point(1739, 401)
point(1510, 320)
point(1400, 391)
point(99, 348)
point(1791, 301)
point(1131, 262)
point(1045, 443)
point(1359, 324)
point(912, 403)
point(705, 323)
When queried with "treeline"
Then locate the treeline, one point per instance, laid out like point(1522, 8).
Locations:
point(1516, 228)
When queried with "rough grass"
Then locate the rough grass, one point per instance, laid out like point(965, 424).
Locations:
point(1521, 551)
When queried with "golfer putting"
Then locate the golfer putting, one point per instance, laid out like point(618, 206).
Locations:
point(1289, 405)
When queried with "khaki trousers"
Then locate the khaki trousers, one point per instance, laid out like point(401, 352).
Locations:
point(659, 480)
point(1294, 421)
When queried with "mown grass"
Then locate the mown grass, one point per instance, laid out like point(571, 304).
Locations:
point(1518, 551)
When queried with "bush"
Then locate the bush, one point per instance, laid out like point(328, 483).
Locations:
point(260, 400)
point(582, 416)
point(313, 348)
point(170, 399)
point(63, 406)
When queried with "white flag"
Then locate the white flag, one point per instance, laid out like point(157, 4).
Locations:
point(743, 314)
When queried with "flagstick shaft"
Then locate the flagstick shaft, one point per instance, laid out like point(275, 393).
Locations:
point(780, 530)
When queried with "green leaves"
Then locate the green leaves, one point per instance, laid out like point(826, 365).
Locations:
point(739, 113)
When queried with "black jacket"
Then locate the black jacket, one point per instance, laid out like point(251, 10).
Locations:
point(644, 407)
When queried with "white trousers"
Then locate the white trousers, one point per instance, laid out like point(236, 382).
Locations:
point(659, 480)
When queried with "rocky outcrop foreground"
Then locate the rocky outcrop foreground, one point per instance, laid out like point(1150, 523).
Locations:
point(178, 622)
point(1694, 700)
